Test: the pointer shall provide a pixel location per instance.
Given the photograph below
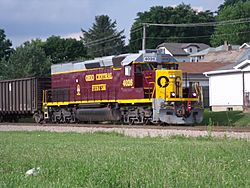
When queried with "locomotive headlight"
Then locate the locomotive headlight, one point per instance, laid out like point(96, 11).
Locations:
point(172, 94)
point(194, 94)
point(172, 76)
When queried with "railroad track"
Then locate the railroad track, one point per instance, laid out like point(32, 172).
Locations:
point(155, 127)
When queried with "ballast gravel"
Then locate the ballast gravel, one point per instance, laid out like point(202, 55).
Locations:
point(133, 132)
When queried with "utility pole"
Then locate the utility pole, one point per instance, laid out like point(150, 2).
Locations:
point(144, 37)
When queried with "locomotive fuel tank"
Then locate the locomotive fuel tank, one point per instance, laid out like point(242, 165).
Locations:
point(98, 114)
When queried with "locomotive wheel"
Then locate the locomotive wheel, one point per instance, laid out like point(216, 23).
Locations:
point(146, 121)
point(131, 122)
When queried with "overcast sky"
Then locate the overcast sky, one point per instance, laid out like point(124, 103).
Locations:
point(23, 20)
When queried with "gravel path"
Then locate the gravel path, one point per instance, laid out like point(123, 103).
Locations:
point(134, 132)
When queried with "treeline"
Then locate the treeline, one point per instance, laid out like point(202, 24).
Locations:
point(34, 58)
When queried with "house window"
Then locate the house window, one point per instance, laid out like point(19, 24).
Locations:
point(190, 50)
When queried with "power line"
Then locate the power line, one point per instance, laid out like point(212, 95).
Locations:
point(236, 21)
point(101, 39)
point(97, 43)
point(103, 49)
point(135, 40)
point(109, 38)
point(201, 36)
point(204, 24)
point(135, 30)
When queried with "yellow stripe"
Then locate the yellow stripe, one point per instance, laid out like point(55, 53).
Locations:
point(83, 70)
point(181, 99)
point(124, 101)
point(131, 101)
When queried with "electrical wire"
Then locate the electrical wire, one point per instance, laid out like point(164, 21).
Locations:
point(103, 49)
point(236, 21)
point(109, 38)
point(138, 28)
point(202, 36)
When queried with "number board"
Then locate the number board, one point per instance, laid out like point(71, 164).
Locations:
point(149, 59)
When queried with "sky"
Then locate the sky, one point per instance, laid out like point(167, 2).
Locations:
point(24, 20)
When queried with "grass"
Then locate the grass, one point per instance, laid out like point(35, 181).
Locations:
point(226, 118)
point(113, 160)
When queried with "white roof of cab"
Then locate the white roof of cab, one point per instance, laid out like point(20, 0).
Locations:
point(130, 58)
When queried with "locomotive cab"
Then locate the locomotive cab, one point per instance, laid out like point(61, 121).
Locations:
point(162, 82)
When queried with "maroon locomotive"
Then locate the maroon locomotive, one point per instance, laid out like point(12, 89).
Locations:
point(133, 88)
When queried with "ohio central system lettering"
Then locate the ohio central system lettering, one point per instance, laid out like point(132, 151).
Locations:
point(101, 76)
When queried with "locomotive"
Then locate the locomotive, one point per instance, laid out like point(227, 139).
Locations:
point(141, 88)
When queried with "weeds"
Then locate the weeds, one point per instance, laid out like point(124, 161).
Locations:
point(210, 127)
point(226, 118)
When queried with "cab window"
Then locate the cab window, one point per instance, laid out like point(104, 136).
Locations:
point(127, 70)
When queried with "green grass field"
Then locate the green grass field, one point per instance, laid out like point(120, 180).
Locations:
point(226, 118)
point(113, 160)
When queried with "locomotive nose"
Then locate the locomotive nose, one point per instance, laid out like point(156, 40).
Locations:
point(168, 84)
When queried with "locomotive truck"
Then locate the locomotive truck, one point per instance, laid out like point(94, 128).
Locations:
point(132, 88)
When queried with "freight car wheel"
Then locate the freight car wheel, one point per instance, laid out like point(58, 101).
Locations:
point(14, 119)
point(38, 117)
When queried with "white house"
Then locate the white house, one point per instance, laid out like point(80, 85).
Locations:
point(181, 51)
point(229, 87)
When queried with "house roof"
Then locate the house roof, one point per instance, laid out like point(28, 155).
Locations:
point(231, 68)
point(231, 56)
point(210, 50)
point(243, 64)
point(178, 48)
point(199, 67)
point(246, 44)
point(203, 52)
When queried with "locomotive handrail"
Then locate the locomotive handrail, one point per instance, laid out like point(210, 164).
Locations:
point(198, 90)
point(153, 91)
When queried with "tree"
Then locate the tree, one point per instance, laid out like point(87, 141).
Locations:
point(233, 33)
point(103, 39)
point(63, 50)
point(5, 45)
point(28, 60)
point(229, 3)
point(170, 15)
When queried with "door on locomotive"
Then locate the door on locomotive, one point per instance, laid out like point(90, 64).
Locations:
point(144, 78)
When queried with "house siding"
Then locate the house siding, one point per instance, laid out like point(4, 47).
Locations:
point(182, 58)
point(247, 81)
point(226, 91)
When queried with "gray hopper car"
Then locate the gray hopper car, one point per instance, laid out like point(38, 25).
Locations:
point(21, 97)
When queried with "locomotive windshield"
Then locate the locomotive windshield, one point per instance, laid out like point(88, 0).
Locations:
point(139, 68)
point(143, 67)
point(166, 66)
